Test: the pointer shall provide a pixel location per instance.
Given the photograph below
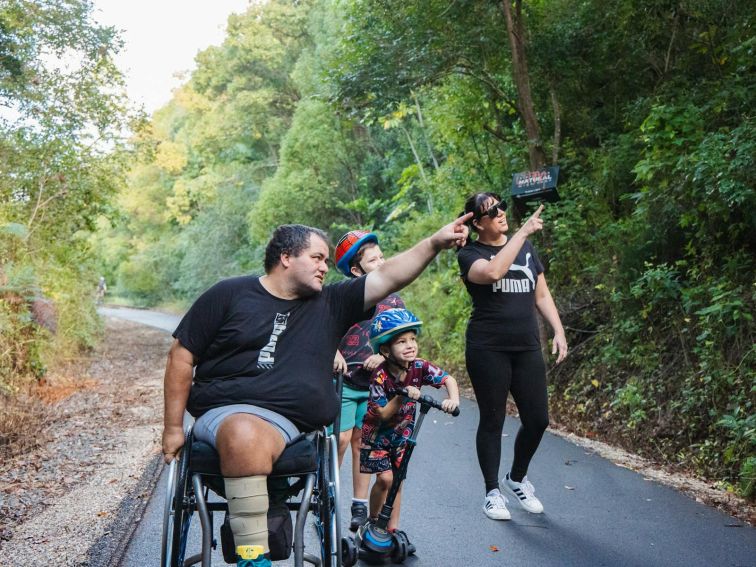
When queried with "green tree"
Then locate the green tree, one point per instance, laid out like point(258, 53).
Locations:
point(63, 115)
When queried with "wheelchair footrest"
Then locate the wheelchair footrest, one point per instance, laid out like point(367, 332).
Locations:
point(280, 535)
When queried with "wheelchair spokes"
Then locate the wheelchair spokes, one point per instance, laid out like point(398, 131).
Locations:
point(168, 514)
point(325, 504)
point(178, 512)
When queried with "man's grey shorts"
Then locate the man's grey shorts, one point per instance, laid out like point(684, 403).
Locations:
point(206, 426)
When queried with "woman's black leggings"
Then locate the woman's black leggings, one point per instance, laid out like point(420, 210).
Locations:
point(493, 375)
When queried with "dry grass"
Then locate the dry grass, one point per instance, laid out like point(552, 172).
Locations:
point(57, 388)
point(22, 423)
point(27, 414)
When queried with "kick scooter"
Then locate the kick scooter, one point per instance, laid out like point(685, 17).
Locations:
point(375, 544)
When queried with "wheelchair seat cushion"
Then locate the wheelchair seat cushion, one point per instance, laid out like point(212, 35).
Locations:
point(300, 457)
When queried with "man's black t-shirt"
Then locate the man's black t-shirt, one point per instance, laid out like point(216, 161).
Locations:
point(503, 316)
point(251, 347)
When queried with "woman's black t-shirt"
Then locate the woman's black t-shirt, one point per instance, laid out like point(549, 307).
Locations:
point(503, 316)
point(251, 347)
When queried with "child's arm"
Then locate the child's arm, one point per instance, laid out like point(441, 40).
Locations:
point(388, 411)
point(437, 377)
point(452, 402)
point(339, 363)
point(392, 408)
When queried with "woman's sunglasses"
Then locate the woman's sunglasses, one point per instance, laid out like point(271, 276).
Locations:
point(493, 211)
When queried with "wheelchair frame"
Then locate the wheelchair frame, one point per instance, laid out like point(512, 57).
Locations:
point(188, 490)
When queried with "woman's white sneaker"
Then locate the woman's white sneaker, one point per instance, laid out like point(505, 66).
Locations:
point(524, 493)
point(495, 506)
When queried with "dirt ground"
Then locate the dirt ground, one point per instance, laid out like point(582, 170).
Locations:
point(103, 430)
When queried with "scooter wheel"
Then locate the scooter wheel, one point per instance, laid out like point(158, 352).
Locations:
point(410, 546)
point(401, 543)
point(348, 552)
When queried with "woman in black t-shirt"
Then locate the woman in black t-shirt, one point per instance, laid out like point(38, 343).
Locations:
point(505, 280)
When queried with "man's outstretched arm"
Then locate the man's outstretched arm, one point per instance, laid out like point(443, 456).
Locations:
point(402, 269)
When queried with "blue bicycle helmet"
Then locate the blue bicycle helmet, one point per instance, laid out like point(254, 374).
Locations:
point(348, 246)
point(390, 323)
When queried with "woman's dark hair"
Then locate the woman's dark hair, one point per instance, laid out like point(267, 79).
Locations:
point(291, 239)
point(474, 205)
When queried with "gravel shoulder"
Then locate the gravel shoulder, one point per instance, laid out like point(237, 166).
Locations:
point(61, 498)
point(81, 492)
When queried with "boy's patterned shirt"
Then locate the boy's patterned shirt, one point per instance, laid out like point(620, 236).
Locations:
point(383, 386)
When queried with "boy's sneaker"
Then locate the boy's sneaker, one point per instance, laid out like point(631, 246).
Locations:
point(495, 506)
point(251, 556)
point(524, 493)
point(359, 515)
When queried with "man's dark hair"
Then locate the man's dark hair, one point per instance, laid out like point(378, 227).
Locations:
point(291, 239)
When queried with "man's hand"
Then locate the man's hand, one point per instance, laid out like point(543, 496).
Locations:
point(339, 363)
point(453, 234)
point(372, 362)
point(559, 344)
point(534, 223)
point(173, 440)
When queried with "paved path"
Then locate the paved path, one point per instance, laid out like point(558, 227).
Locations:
point(596, 512)
point(149, 318)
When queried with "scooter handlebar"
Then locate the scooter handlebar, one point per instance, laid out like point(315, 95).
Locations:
point(430, 402)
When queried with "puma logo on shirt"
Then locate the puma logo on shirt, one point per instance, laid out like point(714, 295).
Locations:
point(266, 359)
point(508, 285)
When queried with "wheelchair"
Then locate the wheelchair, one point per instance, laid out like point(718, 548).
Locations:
point(305, 479)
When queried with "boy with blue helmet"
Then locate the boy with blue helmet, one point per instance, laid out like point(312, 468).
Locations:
point(358, 253)
point(390, 418)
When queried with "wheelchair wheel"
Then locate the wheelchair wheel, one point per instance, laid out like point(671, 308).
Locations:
point(168, 515)
point(177, 515)
point(327, 521)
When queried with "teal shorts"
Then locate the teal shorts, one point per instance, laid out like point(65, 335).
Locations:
point(353, 408)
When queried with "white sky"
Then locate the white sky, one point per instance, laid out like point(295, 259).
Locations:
point(162, 37)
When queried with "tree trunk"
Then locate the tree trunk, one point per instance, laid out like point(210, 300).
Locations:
point(537, 155)
point(516, 33)
point(557, 126)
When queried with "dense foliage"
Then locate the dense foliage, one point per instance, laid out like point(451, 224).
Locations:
point(62, 114)
point(385, 115)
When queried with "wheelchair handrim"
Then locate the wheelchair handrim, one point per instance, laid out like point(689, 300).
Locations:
point(168, 514)
point(333, 446)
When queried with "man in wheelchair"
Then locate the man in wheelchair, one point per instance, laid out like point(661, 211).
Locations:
point(252, 362)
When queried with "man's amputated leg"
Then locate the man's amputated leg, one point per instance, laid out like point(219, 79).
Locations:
point(248, 446)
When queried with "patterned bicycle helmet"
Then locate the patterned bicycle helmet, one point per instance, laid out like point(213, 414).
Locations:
point(348, 246)
point(390, 323)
